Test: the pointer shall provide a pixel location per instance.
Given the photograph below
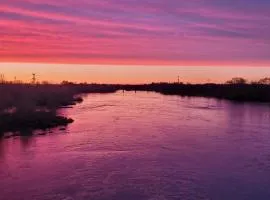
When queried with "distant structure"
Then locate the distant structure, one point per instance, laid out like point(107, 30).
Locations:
point(2, 78)
point(178, 79)
point(34, 78)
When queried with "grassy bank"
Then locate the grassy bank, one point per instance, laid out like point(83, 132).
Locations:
point(25, 107)
point(235, 92)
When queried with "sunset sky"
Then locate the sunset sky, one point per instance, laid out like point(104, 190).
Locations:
point(113, 40)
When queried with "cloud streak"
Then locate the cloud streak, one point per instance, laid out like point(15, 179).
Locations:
point(135, 32)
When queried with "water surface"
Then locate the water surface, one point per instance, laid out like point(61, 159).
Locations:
point(144, 146)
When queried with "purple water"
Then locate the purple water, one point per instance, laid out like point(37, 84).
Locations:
point(147, 146)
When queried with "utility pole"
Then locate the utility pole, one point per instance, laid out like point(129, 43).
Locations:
point(2, 78)
point(178, 79)
point(33, 78)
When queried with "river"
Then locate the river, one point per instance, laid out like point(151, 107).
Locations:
point(144, 146)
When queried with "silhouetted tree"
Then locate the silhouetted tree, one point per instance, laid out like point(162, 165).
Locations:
point(264, 81)
point(67, 83)
point(237, 80)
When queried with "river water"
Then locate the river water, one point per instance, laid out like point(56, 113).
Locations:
point(144, 146)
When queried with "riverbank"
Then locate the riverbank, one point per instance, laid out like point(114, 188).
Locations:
point(26, 107)
point(234, 92)
point(25, 124)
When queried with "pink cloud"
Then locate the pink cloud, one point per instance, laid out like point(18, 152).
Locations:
point(148, 31)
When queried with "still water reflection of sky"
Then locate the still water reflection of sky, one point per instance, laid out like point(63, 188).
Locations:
point(144, 146)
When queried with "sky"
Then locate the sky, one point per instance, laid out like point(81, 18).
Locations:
point(194, 34)
point(126, 74)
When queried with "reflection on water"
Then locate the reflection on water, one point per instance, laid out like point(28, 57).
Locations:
point(144, 146)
